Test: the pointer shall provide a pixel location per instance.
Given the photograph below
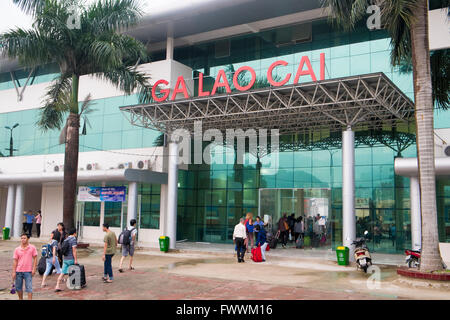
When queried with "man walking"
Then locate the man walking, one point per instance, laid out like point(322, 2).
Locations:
point(69, 252)
point(24, 266)
point(109, 250)
point(239, 236)
point(30, 217)
point(128, 248)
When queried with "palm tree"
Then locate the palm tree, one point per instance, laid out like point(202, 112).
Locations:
point(94, 46)
point(406, 21)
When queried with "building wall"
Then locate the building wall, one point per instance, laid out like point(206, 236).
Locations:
point(52, 207)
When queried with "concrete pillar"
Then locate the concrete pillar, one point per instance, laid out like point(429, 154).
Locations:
point(169, 48)
point(18, 216)
point(9, 218)
point(132, 202)
point(416, 226)
point(348, 190)
point(172, 190)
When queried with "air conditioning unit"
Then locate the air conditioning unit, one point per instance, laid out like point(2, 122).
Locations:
point(92, 166)
point(143, 164)
point(53, 167)
point(125, 165)
point(447, 151)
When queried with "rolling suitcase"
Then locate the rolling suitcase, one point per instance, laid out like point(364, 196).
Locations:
point(274, 241)
point(83, 275)
point(256, 254)
point(299, 243)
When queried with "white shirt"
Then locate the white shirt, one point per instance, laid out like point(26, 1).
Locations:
point(239, 231)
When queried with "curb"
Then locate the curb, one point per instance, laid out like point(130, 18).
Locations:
point(423, 275)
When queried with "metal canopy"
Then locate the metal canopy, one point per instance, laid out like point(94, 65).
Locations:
point(370, 100)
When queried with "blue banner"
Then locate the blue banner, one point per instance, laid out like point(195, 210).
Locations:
point(102, 194)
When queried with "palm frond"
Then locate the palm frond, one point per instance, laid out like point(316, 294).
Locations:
point(30, 6)
point(113, 15)
point(440, 78)
point(126, 79)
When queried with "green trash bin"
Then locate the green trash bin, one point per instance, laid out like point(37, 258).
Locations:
point(164, 243)
point(342, 255)
point(5, 233)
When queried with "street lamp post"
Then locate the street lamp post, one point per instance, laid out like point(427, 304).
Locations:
point(11, 144)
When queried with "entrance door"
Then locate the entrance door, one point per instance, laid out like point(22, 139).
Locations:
point(313, 205)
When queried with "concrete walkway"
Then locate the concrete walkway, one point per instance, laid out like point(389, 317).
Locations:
point(196, 272)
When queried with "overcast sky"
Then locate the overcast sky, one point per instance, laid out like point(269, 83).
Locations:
point(11, 16)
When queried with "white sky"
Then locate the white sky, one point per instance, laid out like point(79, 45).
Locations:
point(11, 16)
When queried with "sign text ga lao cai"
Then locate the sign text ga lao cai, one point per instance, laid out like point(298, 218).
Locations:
point(304, 69)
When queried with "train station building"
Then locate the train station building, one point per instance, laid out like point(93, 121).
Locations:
point(331, 121)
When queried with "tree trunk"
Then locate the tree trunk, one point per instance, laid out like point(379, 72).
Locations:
point(430, 257)
point(71, 158)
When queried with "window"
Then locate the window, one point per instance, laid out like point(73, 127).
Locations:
point(150, 200)
point(113, 211)
point(92, 214)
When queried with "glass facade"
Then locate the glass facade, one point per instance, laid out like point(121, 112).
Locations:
point(212, 198)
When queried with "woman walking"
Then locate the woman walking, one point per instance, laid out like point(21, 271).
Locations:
point(38, 219)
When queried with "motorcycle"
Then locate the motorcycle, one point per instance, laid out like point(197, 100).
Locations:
point(362, 254)
point(412, 258)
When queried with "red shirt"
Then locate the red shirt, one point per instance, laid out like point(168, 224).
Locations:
point(24, 257)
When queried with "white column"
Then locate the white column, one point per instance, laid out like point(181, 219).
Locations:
point(169, 48)
point(172, 190)
point(18, 216)
point(9, 218)
point(348, 190)
point(416, 226)
point(132, 202)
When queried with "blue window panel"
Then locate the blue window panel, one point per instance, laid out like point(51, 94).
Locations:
point(96, 124)
point(383, 155)
point(340, 48)
point(41, 146)
point(360, 43)
point(132, 139)
point(380, 45)
point(340, 67)
point(363, 156)
point(441, 119)
point(268, 178)
point(363, 176)
point(303, 159)
point(319, 47)
point(321, 177)
point(360, 64)
point(336, 157)
point(112, 140)
point(112, 123)
point(55, 147)
point(25, 131)
point(383, 176)
point(302, 178)
point(285, 178)
point(404, 81)
point(286, 160)
point(380, 62)
point(336, 177)
point(149, 137)
point(321, 158)
point(93, 142)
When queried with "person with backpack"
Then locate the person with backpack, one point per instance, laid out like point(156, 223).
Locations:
point(49, 253)
point(128, 239)
point(69, 253)
point(261, 240)
point(59, 234)
point(109, 250)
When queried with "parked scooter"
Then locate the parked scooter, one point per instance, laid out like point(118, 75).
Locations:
point(412, 258)
point(362, 254)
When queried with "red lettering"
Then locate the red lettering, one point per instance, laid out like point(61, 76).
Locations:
point(200, 87)
point(322, 66)
point(269, 74)
point(218, 84)
point(300, 71)
point(236, 75)
point(164, 91)
point(177, 89)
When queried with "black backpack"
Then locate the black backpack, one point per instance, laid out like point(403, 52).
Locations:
point(65, 248)
point(125, 236)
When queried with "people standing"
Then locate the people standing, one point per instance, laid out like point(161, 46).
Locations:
point(30, 217)
point(128, 249)
point(69, 253)
point(24, 266)
point(283, 227)
point(109, 249)
point(250, 231)
point(38, 219)
point(261, 240)
point(51, 260)
point(239, 236)
point(248, 216)
point(59, 234)
point(298, 228)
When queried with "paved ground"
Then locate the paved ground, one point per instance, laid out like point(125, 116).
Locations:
point(196, 274)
